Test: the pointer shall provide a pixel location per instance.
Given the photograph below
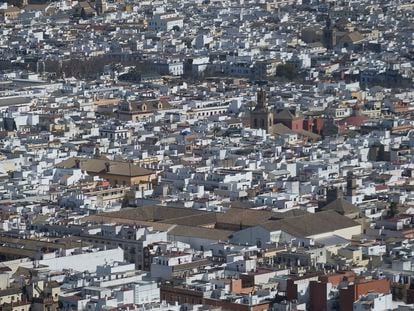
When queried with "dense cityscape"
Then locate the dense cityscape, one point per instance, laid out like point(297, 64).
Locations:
point(194, 155)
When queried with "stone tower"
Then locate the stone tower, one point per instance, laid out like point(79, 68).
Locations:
point(100, 6)
point(329, 34)
point(261, 117)
point(351, 188)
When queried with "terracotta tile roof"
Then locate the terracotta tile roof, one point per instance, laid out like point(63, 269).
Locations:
point(352, 121)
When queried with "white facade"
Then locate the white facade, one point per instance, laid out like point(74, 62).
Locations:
point(146, 292)
point(163, 266)
point(84, 262)
point(374, 302)
point(165, 22)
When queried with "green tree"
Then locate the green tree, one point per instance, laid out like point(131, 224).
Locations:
point(287, 71)
point(393, 210)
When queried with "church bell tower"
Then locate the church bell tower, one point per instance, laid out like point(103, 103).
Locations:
point(261, 117)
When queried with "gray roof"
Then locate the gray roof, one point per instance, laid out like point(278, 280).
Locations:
point(11, 101)
point(331, 240)
point(200, 232)
point(311, 224)
point(280, 129)
point(285, 114)
point(341, 206)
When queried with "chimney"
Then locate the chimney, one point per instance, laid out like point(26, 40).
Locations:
point(107, 166)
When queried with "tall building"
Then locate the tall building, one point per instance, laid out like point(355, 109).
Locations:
point(261, 117)
point(351, 185)
point(100, 6)
point(329, 34)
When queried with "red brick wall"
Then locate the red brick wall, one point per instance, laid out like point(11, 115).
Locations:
point(347, 296)
point(291, 290)
point(181, 295)
point(318, 126)
point(308, 125)
point(314, 125)
point(317, 296)
point(237, 287)
point(297, 124)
